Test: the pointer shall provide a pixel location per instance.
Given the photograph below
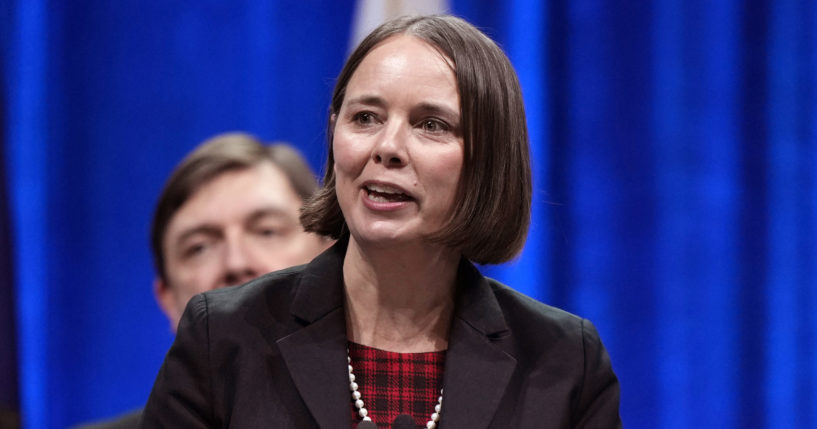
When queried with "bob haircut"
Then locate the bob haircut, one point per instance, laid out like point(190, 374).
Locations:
point(490, 217)
point(218, 155)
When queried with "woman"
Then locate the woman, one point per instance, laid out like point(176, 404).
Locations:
point(427, 172)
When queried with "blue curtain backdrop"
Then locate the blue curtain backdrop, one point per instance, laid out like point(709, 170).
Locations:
point(9, 393)
point(675, 161)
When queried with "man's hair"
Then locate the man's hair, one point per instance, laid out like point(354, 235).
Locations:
point(214, 157)
point(491, 214)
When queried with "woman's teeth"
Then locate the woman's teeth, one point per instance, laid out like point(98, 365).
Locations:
point(380, 193)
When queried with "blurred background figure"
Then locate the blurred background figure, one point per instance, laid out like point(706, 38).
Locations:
point(228, 213)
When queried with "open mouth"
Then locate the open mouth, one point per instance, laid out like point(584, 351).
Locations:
point(386, 194)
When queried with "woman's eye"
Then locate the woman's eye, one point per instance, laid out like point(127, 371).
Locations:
point(364, 118)
point(433, 126)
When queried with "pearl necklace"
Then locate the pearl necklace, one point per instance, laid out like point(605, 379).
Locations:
point(364, 413)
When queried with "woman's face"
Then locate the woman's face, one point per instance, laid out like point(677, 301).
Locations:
point(398, 143)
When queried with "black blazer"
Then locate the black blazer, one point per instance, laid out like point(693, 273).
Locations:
point(272, 354)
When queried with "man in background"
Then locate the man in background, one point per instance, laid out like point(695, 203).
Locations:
point(227, 214)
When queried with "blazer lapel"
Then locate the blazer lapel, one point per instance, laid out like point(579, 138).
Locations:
point(477, 369)
point(316, 353)
point(316, 358)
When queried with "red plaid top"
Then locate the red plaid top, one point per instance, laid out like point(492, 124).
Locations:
point(392, 383)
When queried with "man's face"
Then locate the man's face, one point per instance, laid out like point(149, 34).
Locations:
point(234, 228)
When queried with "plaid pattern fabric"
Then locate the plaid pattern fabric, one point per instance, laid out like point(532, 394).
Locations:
point(392, 383)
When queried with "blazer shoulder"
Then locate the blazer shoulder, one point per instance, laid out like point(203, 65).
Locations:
point(234, 312)
point(519, 307)
point(276, 287)
point(538, 331)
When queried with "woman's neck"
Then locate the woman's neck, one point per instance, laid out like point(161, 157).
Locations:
point(399, 299)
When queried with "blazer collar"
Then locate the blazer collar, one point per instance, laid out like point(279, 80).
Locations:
point(315, 353)
point(478, 364)
point(320, 290)
point(477, 370)
point(476, 303)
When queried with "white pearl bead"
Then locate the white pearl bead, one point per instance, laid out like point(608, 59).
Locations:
point(356, 395)
point(353, 386)
point(350, 369)
point(351, 377)
point(431, 425)
point(435, 417)
point(359, 403)
point(368, 419)
point(437, 408)
point(363, 412)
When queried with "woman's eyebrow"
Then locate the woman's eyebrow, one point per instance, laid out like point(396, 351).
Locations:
point(425, 107)
point(438, 109)
point(368, 100)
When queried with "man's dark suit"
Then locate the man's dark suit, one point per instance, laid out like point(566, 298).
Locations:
point(272, 353)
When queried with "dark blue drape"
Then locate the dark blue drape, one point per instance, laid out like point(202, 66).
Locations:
point(9, 392)
point(674, 146)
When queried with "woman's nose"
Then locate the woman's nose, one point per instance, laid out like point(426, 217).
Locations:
point(390, 149)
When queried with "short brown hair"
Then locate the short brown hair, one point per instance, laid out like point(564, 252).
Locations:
point(215, 156)
point(490, 219)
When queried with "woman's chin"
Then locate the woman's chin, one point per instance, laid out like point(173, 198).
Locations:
point(381, 239)
point(379, 235)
